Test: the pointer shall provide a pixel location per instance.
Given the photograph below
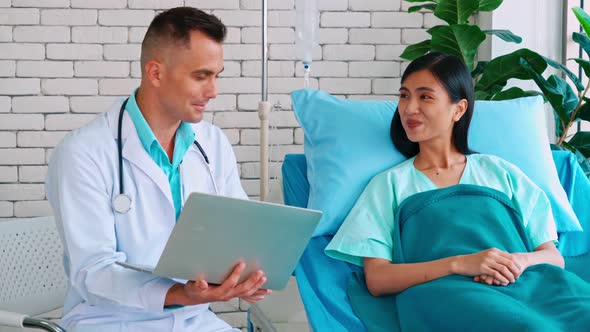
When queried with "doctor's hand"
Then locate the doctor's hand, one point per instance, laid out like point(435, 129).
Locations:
point(199, 291)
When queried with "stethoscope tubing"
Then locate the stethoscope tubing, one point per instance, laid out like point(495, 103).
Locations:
point(122, 202)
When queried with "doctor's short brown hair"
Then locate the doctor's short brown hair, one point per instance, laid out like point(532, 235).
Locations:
point(173, 27)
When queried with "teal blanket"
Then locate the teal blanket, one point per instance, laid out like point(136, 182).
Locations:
point(467, 219)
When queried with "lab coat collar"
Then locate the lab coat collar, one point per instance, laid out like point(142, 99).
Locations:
point(134, 152)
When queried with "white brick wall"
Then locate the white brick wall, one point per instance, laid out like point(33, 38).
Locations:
point(7, 140)
point(41, 34)
point(45, 69)
point(64, 61)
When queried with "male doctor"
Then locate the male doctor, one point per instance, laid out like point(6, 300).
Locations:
point(118, 184)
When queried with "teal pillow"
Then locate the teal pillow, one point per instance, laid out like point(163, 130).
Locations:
point(347, 142)
point(516, 130)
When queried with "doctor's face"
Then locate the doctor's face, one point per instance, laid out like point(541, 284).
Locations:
point(189, 77)
point(426, 110)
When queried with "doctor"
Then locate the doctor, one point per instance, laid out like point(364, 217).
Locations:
point(118, 184)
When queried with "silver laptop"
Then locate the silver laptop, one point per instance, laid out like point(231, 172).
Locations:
point(214, 233)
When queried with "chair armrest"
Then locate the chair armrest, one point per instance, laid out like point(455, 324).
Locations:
point(43, 324)
point(13, 319)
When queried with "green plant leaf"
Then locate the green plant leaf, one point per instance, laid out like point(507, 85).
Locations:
point(481, 65)
point(584, 112)
point(515, 92)
point(505, 35)
point(559, 94)
point(583, 18)
point(558, 126)
point(461, 40)
point(414, 51)
point(489, 5)
point(456, 11)
point(499, 70)
point(581, 141)
point(582, 160)
point(585, 64)
point(488, 94)
point(573, 77)
point(482, 95)
point(570, 99)
point(582, 40)
point(429, 6)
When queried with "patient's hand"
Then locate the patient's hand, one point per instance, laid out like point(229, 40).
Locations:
point(518, 259)
point(485, 279)
point(521, 261)
point(492, 262)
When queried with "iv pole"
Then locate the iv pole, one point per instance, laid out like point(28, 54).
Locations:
point(264, 108)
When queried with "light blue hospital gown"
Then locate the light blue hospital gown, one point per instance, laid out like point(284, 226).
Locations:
point(367, 231)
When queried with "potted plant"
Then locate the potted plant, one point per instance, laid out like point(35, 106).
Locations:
point(462, 38)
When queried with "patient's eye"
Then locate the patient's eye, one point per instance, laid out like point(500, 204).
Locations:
point(425, 97)
point(403, 95)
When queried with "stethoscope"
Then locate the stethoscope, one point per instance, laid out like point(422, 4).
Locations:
point(122, 202)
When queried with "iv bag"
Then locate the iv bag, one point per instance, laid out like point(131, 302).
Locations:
point(306, 29)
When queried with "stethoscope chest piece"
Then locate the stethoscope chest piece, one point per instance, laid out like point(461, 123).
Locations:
point(122, 203)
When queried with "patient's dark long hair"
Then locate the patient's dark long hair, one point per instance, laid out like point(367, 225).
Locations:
point(455, 77)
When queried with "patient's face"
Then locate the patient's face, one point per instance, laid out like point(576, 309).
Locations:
point(426, 110)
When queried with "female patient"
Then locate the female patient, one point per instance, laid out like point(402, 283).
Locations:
point(466, 240)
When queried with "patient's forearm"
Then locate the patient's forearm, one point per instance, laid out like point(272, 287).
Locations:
point(546, 253)
point(383, 277)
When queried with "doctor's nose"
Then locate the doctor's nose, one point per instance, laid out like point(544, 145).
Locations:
point(211, 89)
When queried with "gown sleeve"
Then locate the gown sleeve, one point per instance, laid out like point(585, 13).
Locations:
point(367, 231)
point(534, 206)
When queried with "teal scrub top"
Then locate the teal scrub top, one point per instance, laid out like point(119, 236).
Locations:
point(185, 136)
point(367, 231)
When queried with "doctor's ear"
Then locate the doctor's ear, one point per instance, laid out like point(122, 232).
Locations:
point(153, 72)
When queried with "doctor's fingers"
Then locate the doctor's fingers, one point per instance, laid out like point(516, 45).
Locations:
point(232, 280)
point(251, 285)
point(253, 299)
point(197, 289)
point(230, 287)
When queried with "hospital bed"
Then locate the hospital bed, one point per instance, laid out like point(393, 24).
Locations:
point(323, 282)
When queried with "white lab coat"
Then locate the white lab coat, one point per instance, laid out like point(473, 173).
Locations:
point(83, 178)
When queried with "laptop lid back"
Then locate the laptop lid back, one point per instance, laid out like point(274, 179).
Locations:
point(214, 233)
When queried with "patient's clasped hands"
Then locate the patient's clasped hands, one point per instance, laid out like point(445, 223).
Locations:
point(492, 266)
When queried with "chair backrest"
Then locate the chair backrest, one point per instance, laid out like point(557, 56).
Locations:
point(32, 278)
